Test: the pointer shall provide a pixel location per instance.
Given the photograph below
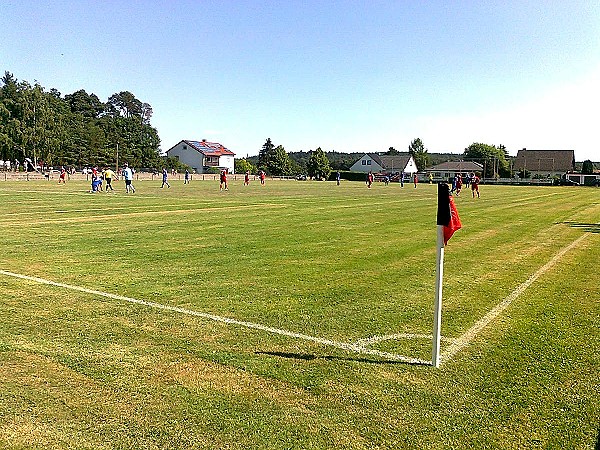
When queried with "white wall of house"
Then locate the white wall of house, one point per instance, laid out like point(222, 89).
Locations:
point(189, 156)
point(411, 166)
point(227, 161)
point(366, 164)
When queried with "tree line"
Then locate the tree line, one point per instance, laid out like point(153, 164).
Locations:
point(274, 160)
point(77, 129)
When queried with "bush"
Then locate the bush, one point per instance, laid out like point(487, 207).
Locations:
point(351, 176)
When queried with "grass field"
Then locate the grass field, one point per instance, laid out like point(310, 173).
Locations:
point(317, 279)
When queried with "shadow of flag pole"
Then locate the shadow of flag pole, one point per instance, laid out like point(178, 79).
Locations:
point(447, 223)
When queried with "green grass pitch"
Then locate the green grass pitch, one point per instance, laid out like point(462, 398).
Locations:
point(341, 264)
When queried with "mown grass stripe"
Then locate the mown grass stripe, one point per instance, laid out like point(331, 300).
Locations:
point(353, 348)
point(482, 323)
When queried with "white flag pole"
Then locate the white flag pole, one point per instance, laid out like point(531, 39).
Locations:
point(437, 313)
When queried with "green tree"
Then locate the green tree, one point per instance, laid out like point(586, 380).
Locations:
point(243, 166)
point(266, 149)
point(88, 105)
point(419, 153)
point(493, 159)
point(78, 129)
point(278, 162)
point(318, 165)
point(392, 151)
point(296, 168)
point(587, 167)
point(124, 104)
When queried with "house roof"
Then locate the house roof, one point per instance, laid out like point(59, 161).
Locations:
point(390, 161)
point(374, 156)
point(545, 160)
point(208, 148)
point(393, 162)
point(457, 166)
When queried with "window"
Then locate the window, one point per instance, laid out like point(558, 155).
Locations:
point(364, 162)
point(368, 162)
point(185, 147)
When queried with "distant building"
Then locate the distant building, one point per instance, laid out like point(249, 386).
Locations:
point(447, 170)
point(202, 155)
point(545, 163)
point(371, 162)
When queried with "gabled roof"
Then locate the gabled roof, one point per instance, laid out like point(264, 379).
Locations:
point(545, 160)
point(457, 166)
point(210, 148)
point(394, 162)
point(374, 156)
point(390, 162)
point(207, 148)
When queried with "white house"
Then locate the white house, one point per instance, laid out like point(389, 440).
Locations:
point(202, 155)
point(371, 162)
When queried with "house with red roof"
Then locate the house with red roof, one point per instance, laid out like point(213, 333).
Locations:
point(203, 155)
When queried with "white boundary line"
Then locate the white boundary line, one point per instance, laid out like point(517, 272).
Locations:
point(472, 332)
point(354, 348)
point(360, 346)
point(396, 336)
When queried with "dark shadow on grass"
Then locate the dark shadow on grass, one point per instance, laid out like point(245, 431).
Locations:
point(589, 227)
point(307, 357)
point(597, 447)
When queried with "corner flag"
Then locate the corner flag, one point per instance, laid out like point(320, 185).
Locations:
point(447, 215)
point(447, 223)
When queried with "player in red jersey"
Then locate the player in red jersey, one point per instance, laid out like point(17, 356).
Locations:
point(223, 183)
point(475, 185)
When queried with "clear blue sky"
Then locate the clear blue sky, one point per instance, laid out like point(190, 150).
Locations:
point(341, 75)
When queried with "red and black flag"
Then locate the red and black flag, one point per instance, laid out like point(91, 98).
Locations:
point(447, 215)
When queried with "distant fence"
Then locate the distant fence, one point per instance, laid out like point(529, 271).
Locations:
point(141, 176)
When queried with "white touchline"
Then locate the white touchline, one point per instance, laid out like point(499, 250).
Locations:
point(467, 337)
point(396, 336)
point(341, 345)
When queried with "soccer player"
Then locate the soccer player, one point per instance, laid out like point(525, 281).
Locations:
point(108, 176)
point(223, 183)
point(128, 176)
point(369, 179)
point(247, 178)
point(475, 185)
point(459, 183)
point(186, 177)
point(165, 175)
point(63, 175)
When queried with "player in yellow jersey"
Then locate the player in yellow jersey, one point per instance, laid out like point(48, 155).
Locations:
point(108, 176)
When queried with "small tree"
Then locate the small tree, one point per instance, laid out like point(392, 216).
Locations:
point(588, 167)
point(243, 166)
point(278, 161)
point(492, 158)
point(418, 151)
point(264, 152)
point(318, 165)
